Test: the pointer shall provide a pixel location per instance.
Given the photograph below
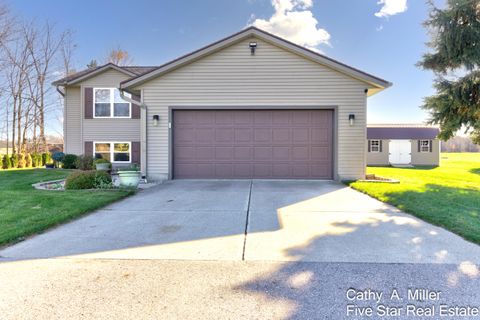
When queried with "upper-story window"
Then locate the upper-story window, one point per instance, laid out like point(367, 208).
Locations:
point(424, 145)
point(109, 104)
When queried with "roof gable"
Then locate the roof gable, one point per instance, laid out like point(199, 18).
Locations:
point(131, 71)
point(377, 83)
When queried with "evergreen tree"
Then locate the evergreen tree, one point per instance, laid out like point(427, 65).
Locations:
point(455, 60)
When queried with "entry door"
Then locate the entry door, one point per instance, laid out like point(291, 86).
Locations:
point(400, 151)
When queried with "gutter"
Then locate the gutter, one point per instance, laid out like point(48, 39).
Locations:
point(135, 102)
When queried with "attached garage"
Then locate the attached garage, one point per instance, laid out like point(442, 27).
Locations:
point(241, 144)
point(254, 105)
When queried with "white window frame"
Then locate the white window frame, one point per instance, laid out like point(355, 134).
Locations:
point(422, 146)
point(112, 104)
point(112, 150)
point(378, 146)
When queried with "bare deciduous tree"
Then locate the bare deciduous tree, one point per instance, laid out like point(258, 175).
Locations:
point(119, 57)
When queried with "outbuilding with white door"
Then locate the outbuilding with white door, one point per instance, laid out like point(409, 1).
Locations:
point(398, 144)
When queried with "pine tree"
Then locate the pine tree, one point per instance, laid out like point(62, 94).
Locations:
point(455, 60)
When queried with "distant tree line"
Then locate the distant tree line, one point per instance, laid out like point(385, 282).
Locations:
point(32, 54)
point(460, 144)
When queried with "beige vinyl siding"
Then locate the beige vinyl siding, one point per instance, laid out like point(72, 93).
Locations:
point(272, 77)
point(72, 121)
point(426, 158)
point(78, 130)
point(108, 129)
point(378, 158)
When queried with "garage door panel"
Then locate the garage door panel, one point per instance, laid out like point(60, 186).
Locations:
point(224, 118)
point(243, 135)
point(301, 153)
point(241, 117)
point(301, 135)
point(253, 144)
point(205, 153)
point(281, 153)
point(224, 153)
point(282, 136)
point(242, 170)
point(186, 135)
point(243, 153)
point(262, 119)
point(263, 136)
point(202, 135)
point(224, 170)
point(262, 170)
point(224, 135)
point(301, 118)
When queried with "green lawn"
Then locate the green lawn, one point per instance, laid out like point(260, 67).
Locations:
point(447, 196)
point(25, 210)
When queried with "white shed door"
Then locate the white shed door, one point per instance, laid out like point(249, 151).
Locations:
point(400, 152)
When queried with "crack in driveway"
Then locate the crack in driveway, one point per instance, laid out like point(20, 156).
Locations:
point(247, 220)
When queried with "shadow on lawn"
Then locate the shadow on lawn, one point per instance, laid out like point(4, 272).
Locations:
point(475, 171)
point(455, 209)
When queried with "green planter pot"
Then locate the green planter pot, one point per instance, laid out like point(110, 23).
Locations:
point(102, 166)
point(129, 179)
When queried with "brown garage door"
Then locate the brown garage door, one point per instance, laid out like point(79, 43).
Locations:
point(264, 144)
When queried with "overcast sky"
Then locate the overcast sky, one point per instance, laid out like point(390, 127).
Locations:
point(385, 38)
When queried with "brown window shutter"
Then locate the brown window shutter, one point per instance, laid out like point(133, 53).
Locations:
point(381, 145)
point(430, 144)
point(88, 103)
point(88, 150)
point(369, 145)
point(419, 145)
point(136, 152)
point(135, 108)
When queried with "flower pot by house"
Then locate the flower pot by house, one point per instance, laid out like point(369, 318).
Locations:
point(102, 166)
point(129, 179)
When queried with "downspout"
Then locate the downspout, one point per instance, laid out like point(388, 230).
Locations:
point(62, 93)
point(143, 124)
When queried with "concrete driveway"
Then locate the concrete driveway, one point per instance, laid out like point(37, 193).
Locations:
point(250, 220)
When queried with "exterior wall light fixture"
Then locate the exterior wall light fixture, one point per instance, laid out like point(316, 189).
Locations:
point(253, 46)
point(351, 119)
point(156, 119)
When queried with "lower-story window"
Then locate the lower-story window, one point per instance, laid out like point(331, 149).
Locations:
point(115, 152)
point(424, 145)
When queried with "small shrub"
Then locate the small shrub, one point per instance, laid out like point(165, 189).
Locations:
point(103, 180)
point(69, 161)
point(36, 160)
point(84, 162)
point(46, 158)
point(28, 160)
point(14, 160)
point(87, 180)
point(6, 162)
point(21, 161)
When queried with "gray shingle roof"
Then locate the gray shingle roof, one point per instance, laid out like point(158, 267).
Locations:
point(413, 132)
point(135, 70)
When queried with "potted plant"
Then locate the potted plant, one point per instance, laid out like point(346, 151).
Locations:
point(102, 164)
point(58, 158)
point(129, 176)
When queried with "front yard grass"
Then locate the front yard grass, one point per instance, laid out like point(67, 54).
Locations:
point(447, 196)
point(25, 211)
